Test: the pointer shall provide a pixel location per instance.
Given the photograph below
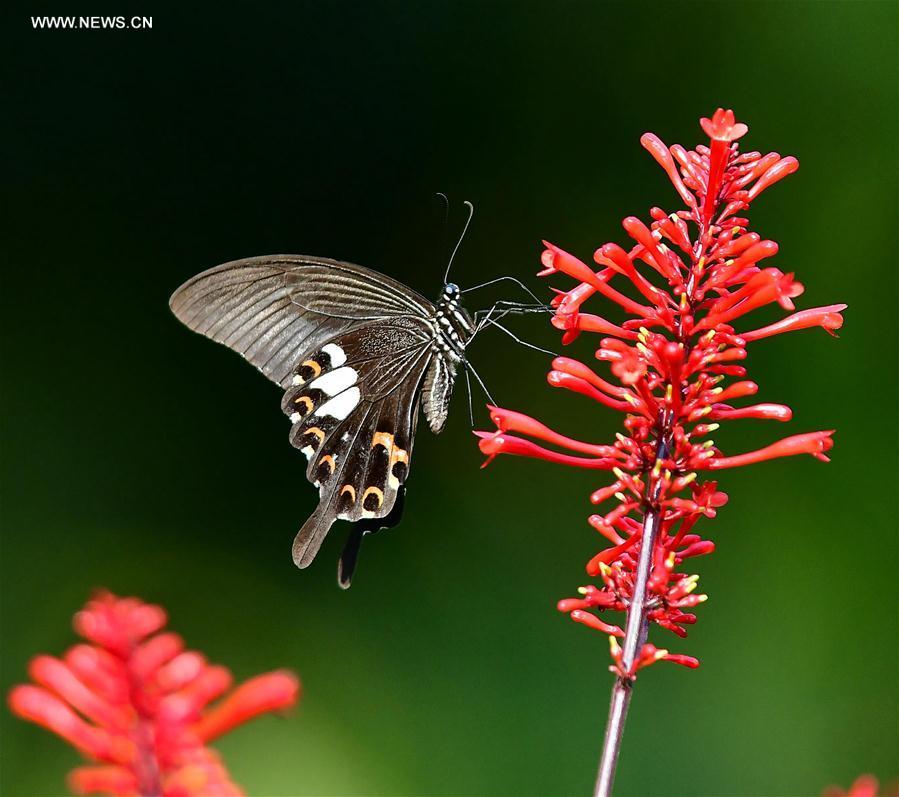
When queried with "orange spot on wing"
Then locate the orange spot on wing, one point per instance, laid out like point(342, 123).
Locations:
point(376, 492)
point(306, 402)
point(382, 439)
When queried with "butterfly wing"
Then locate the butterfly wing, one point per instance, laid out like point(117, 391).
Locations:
point(354, 407)
point(273, 310)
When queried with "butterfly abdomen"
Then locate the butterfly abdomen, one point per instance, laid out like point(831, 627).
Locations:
point(453, 329)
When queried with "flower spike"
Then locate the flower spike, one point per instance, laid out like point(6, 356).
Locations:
point(140, 706)
point(687, 279)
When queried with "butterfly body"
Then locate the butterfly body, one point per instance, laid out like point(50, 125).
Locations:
point(357, 354)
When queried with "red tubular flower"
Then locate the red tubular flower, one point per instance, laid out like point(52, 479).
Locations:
point(139, 705)
point(686, 279)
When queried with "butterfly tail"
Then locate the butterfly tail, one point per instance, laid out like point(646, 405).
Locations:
point(346, 565)
point(309, 538)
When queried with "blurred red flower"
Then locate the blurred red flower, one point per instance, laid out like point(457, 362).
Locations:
point(864, 786)
point(139, 705)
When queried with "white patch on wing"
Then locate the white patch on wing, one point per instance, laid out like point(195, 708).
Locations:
point(296, 417)
point(308, 451)
point(335, 354)
point(341, 405)
point(335, 382)
point(297, 380)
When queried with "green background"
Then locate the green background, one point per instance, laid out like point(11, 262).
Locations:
point(145, 459)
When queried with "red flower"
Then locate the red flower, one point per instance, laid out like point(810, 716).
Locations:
point(686, 281)
point(139, 704)
point(723, 127)
point(864, 786)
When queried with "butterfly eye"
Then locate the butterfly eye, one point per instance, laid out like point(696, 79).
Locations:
point(451, 290)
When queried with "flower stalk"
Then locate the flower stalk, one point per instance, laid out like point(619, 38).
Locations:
point(635, 632)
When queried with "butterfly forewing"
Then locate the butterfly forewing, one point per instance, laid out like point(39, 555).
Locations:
point(343, 290)
point(275, 309)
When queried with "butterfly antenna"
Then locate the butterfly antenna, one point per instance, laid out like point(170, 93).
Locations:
point(444, 200)
point(518, 340)
point(449, 265)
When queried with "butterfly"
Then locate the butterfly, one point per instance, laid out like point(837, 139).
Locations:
point(357, 354)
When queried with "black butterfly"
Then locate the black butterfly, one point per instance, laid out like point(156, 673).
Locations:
point(356, 353)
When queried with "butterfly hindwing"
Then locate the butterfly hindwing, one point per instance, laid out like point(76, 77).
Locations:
point(353, 410)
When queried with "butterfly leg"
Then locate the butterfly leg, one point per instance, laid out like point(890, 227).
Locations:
point(482, 317)
point(506, 278)
point(518, 340)
point(480, 381)
point(470, 400)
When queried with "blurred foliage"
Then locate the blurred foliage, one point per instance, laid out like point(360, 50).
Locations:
point(145, 459)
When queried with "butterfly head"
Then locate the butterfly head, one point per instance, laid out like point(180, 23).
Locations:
point(450, 298)
point(451, 292)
